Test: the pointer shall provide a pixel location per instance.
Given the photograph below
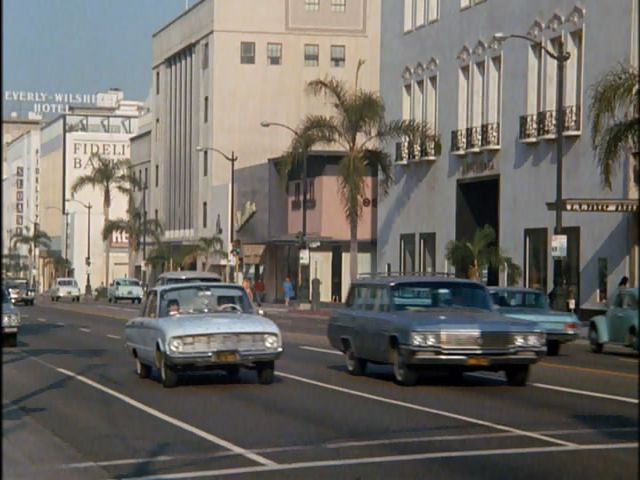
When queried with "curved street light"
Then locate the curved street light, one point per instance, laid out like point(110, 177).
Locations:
point(561, 56)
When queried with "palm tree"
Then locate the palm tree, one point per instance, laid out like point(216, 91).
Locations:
point(614, 112)
point(106, 175)
point(39, 238)
point(205, 247)
point(469, 258)
point(135, 226)
point(60, 264)
point(359, 128)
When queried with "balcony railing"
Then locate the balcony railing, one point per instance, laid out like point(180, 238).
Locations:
point(544, 124)
point(458, 141)
point(424, 148)
point(571, 119)
point(473, 135)
point(490, 136)
point(529, 128)
point(547, 123)
point(296, 204)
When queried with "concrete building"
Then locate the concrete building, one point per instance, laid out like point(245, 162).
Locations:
point(68, 145)
point(493, 105)
point(217, 74)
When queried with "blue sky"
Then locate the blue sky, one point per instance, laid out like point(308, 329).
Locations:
point(81, 46)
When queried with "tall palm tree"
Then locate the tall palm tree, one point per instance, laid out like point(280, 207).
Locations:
point(38, 238)
point(614, 112)
point(205, 247)
point(60, 264)
point(469, 258)
point(108, 176)
point(359, 128)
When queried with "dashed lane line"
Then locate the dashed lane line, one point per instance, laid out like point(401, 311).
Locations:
point(60, 324)
point(85, 330)
point(115, 337)
point(40, 319)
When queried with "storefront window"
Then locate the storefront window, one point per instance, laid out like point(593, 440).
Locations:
point(407, 253)
point(535, 258)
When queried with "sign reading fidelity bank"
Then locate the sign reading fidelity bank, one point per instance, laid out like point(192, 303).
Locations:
point(83, 154)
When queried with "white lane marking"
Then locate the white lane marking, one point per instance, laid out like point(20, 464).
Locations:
point(587, 393)
point(116, 337)
point(630, 360)
point(85, 330)
point(24, 315)
point(386, 459)
point(323, 350)
point(156, 413)
point(125, 461)
point(427, 409)
point(60, 324)
point(497, 376)
point(40, 319)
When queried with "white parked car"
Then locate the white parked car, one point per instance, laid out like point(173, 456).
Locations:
point(10, 321)
point(65, 288)
point(125, 289)
point(202, 326)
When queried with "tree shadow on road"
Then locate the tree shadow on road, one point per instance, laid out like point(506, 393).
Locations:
point(613, 427)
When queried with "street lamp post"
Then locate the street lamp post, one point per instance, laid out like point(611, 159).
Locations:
point(87, 287)
point(303, 272)
point(232, 159)
point(561, 57)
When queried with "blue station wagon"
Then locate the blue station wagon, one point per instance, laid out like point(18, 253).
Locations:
point(432, 322)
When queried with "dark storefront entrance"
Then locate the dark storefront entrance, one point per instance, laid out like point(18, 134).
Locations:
point(477, 205)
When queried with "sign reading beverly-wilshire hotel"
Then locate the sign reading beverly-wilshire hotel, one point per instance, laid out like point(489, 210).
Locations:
point(69, 146)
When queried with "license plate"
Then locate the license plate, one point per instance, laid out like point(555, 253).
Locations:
point(130, 292)
point(226, 357)
point(480, 361)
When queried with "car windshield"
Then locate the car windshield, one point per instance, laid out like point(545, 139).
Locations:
point(17, 284)
point(67, 283)
point(422, 296)
point(127, 282)
point(203, 299)
point(520, 299)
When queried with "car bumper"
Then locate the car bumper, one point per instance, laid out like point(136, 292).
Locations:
point(68, 294)
point(207, 361)
point(479, 360)
point(562, 337)
point(9, 330)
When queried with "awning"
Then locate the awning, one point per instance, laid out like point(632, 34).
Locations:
point(252, 254)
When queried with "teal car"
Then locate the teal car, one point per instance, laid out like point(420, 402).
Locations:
point(619, 325)
point(530, 304)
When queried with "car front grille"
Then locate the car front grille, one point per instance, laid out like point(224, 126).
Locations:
point(221, 342)
point(476, 340)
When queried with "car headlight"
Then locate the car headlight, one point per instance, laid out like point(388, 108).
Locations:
point(10, 319)
point(175, 345)
point(536, 339)
point(519, 340)
point(271, 341)
point(424, 339)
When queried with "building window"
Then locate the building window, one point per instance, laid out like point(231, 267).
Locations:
point(20, 196)
point(19, 207)
point(337, 55)
point(574, 73)
point(433, 10)
point(418, 100)
point(603, 276)
point(157, 83)
point(204, 214)
point(205, 163)
point(534, 80)
point(157, 175)
point(406, 101)
point(311, 55)
point(205, 55)
point(407, 253)
point(432, 102)
point(478, 99)
point(427, 252)
point(494, 90)
point(19, 184)
point(408, 15)
point(464, 97)
point(247, 53)
point(206, 109)
point(296, 191)
point(311, 190)
point(20, 171)
point(312, 5)
point(338, 5)
point(155, 214)
point(274, 53)
point(146, 177)
point(535, 258)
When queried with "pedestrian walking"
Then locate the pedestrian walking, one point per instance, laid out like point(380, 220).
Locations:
point(287, 286)
point(259, 287)
point(247, 288)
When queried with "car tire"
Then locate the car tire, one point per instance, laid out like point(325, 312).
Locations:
point(455, 375)
point(133, 300)
point(553, 348)
point(142, 370)
point(596, 347)
point(115, 300)
point(265, 372)
point(356, 366)
point(168, 376)
point(11, 340)
point(403, 374)
point(517, 375)
point(233, 373)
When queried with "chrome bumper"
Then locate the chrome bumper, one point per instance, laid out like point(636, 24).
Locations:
point(478, 360)
point(12, 329)
point(208, 361)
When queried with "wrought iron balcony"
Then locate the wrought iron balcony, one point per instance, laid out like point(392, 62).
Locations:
point(571, 120)
point(296, 204)
point(529, 128)
point(547, 123)
point(490, 136)
point(405, 150)
point(429, 147)
point(458, 141)
point(424, 148)
point(473, 138)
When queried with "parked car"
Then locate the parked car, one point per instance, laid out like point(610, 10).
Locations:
point(431, 322)
point(530, 304)
point(125, 289)
point(10, 320)
point(65, 288)
point(619, 325)
point(20, 292)
point(202, 326)
point(187, 276)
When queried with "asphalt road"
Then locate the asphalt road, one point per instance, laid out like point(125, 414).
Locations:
point(74, 408)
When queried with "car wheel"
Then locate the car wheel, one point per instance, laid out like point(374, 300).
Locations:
point(455, 375)
point(632, 339)
point(553, 348)
point(57, 299)
point(11, 340)
point(355, 366)
point(168, 375)
point(115, 300)
point(403, 374)
point(133, 300)
point(596, 347)
point(233, 373)
point(142, 370)
point(265, 373)
point(517, 375)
